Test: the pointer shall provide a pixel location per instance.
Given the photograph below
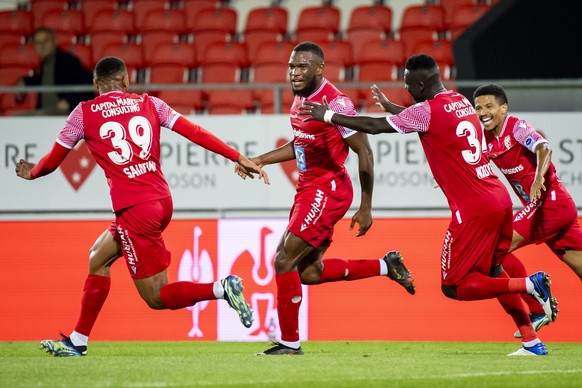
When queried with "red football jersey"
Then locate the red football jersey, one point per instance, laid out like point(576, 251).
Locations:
point(513, 152)
point(320, 149)
point(122, 132)
point(453, 141)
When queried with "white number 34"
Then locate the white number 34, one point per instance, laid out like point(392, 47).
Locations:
point(140, 134)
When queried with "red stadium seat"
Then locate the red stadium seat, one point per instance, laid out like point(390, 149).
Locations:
point(450, 6)
point(379, 61)
point(192, 7)
point(465, 16)
point(441, 51)
point(9, 74)
point(100, 40)
point(10, 107)
point(171, 63)
point(270, 66)
point(318, 24)
point(16, 22)
point(368, 22)
point(66, 21)
point(131, 54)
point(421, 22)
point(338, 59)
point(150, 40)
point(212, 25)
point(40, 8)
point(183, 101)
point(223, 63)
point(264, 24)
point(171, 21)
point(9, 38)
point(91, 10)
point(20, 55)
point(143, 7)
point(119, 21)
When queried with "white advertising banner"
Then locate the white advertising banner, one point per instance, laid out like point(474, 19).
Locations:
point(203, 181)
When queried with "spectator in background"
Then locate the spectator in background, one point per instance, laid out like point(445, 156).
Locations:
point(57, 67)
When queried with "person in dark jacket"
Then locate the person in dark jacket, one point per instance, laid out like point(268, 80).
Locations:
point(58, 67)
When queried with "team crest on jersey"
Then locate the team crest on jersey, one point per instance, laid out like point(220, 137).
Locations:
point(507, 142)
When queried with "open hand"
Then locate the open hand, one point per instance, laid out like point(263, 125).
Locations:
point(315, 110)
point(246, 167)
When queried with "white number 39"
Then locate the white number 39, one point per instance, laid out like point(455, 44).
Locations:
point(140, 134)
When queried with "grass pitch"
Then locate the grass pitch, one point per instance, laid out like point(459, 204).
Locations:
point(325, 364)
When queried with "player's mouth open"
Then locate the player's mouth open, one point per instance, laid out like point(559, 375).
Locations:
point(486, 120)
point(296, 82)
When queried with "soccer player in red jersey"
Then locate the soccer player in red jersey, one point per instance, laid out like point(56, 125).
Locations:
point(479, 234)
point(122, 131)
point(549, 214)
point(324, 195)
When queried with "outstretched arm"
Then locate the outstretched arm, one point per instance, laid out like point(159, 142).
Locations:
point(47, 164)
point(321, 112)
point(206, 139)
point(361, 146)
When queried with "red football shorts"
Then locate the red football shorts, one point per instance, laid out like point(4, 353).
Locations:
point(138, 230)
point(315, 212)
point(476, 245)
point(552, 222)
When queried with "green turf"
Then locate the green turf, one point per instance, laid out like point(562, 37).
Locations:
point(325, 364)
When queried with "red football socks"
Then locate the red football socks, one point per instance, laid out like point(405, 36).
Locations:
point(338, 269)
point(515, 269)
point(94, 295)
point(184, 294)
point(479, 287)
point(289, 297)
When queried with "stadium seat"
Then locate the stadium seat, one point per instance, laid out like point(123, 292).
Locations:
point(264, 24)
point(270, 66)
point(463, 17)
point(99, 40)
point(131, 54)
point(338, 59)
point(442, 52)
point(91, 10)
point(450, 6)
point(171, 21)
point(212, 25)
point(318, 24)
point(10, 107)
point(224, 63)
point(141, 8)
point(7, 38)
point(16, 22)
point(150, 40)
point(183, 101)
point(40, 8)
point(119, 21)
point(379, 61)
point(368, 22)
point(192, 7)
point(171, 63)
point(65, 23)
point(421, 22)
point(20, 55)
point(10, 73)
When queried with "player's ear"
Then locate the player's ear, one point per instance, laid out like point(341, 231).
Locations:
point(95, 84)
point(504, 109)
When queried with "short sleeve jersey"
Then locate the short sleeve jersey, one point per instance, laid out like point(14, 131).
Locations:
point(452, 139)
point(122, 132)
point(513, 151)
point(320, 148)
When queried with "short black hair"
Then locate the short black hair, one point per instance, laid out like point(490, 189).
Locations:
point(420, 62)
point(109, 68)
point(311, 47)
point(491, 90)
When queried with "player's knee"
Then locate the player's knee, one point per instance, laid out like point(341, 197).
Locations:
point(449, 291)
